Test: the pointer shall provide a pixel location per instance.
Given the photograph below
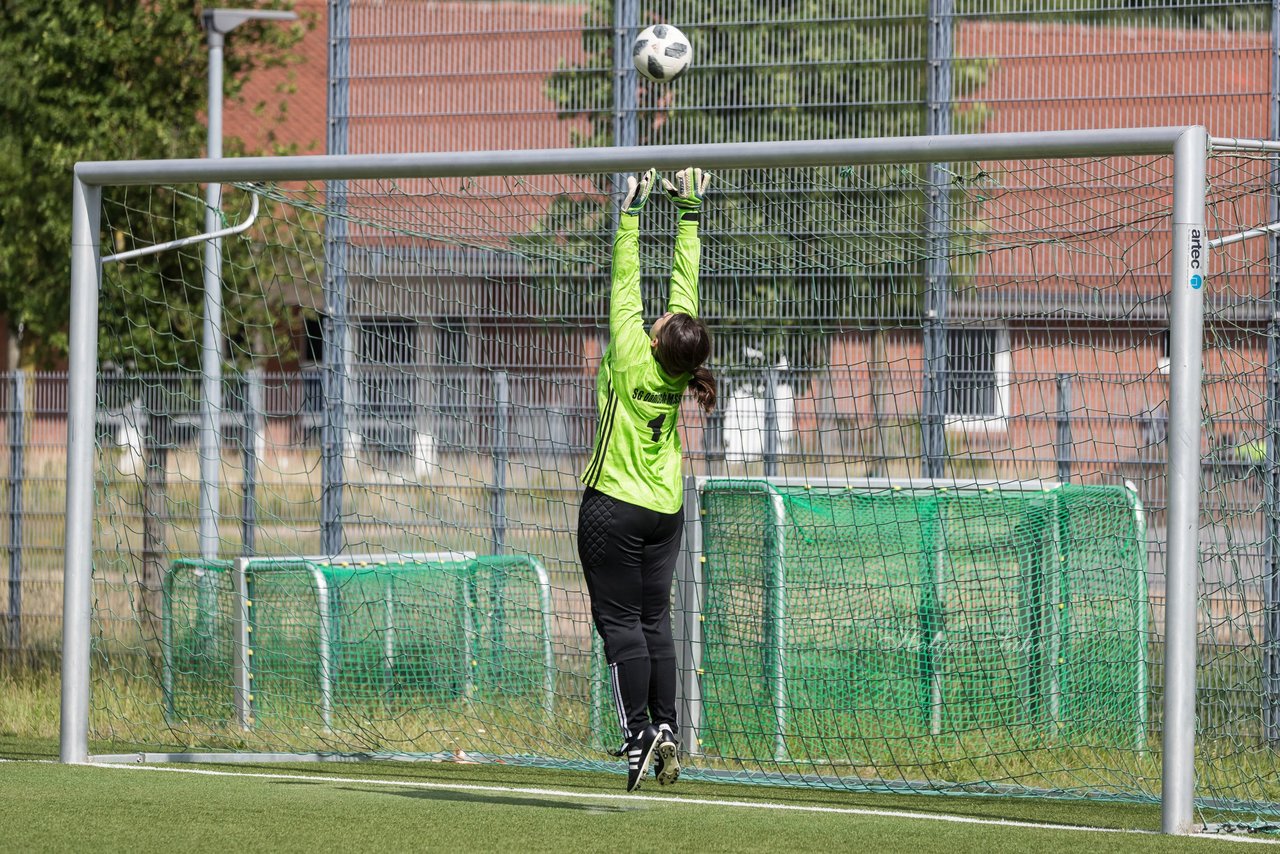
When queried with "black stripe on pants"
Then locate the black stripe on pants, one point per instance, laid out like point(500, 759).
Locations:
point(628, 556)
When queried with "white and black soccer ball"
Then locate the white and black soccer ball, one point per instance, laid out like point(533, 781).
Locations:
point(661, 53)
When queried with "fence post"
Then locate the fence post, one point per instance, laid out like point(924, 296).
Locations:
point(772, 439)
point(938, 226)
point(17, 442)
point(253, 433)
point(154, 427)
point(1062, 443)
point(626, 18)
point(337, 345)
point(1271, 462)
point(501, 425)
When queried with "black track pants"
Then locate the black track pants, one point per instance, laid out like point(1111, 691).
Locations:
point(628, 555)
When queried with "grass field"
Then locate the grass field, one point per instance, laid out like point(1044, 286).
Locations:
point(454, 807)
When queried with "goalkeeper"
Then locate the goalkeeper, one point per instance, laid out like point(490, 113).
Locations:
point(630, 521)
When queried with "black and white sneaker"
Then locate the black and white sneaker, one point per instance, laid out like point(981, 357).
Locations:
point(639, 755)
point(666, 758)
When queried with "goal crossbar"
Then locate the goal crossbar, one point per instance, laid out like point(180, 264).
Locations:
point(827, 152)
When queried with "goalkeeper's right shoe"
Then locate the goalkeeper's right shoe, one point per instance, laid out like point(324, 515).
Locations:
point(639, 755)
point(666, 759)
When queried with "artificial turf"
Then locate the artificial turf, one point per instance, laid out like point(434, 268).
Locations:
point(326, 807)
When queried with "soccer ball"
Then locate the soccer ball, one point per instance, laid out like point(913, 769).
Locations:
point(661, 53)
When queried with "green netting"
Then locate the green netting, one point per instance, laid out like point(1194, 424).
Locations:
point(916, 634)
point(349, 643)
point(198, 642)
point(850, 626)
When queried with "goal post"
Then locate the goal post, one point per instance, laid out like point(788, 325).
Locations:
point(781, 721)
point(1186, 330)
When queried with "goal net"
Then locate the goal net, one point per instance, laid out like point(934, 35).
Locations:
point(928, 524)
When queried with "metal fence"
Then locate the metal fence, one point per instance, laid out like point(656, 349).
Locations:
point(456, 76)
point(409, 76)
point(489, 438)
point(772, 69)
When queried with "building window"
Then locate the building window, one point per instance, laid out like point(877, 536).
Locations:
point(312, 341)
point(386, 385)
point(977, 377)
point(310, 362)
point(452, 340)
point(387, 342)
point(456, 424)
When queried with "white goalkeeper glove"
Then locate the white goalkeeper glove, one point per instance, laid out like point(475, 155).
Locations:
point(688, 191)
point(638, 192)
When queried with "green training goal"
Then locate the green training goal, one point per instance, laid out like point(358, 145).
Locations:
point(847, 619)
point(341, 641)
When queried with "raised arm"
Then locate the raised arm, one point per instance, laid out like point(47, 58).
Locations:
point(683, 297)
point(687, 194)
point(627, 337)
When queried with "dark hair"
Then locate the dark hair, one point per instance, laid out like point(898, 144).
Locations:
point(684, 343)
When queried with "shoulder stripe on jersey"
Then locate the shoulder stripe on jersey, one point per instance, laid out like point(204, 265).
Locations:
point(606, 432)
point(604, 417)
point(605, 435)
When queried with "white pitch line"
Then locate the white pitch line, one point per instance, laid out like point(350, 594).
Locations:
point(604, 796)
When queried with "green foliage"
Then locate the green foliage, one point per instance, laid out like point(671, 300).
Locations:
point(104, 80)
point(151, 312)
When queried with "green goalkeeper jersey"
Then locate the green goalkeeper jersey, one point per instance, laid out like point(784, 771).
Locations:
point(637, 457)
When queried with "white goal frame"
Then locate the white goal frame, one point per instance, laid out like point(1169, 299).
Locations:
point(1188, 146)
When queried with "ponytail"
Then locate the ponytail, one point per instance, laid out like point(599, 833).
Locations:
point(703, 386)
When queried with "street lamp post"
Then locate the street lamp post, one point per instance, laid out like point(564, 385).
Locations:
point(217, 23)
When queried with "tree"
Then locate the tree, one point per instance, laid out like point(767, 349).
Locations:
point(104, 80)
